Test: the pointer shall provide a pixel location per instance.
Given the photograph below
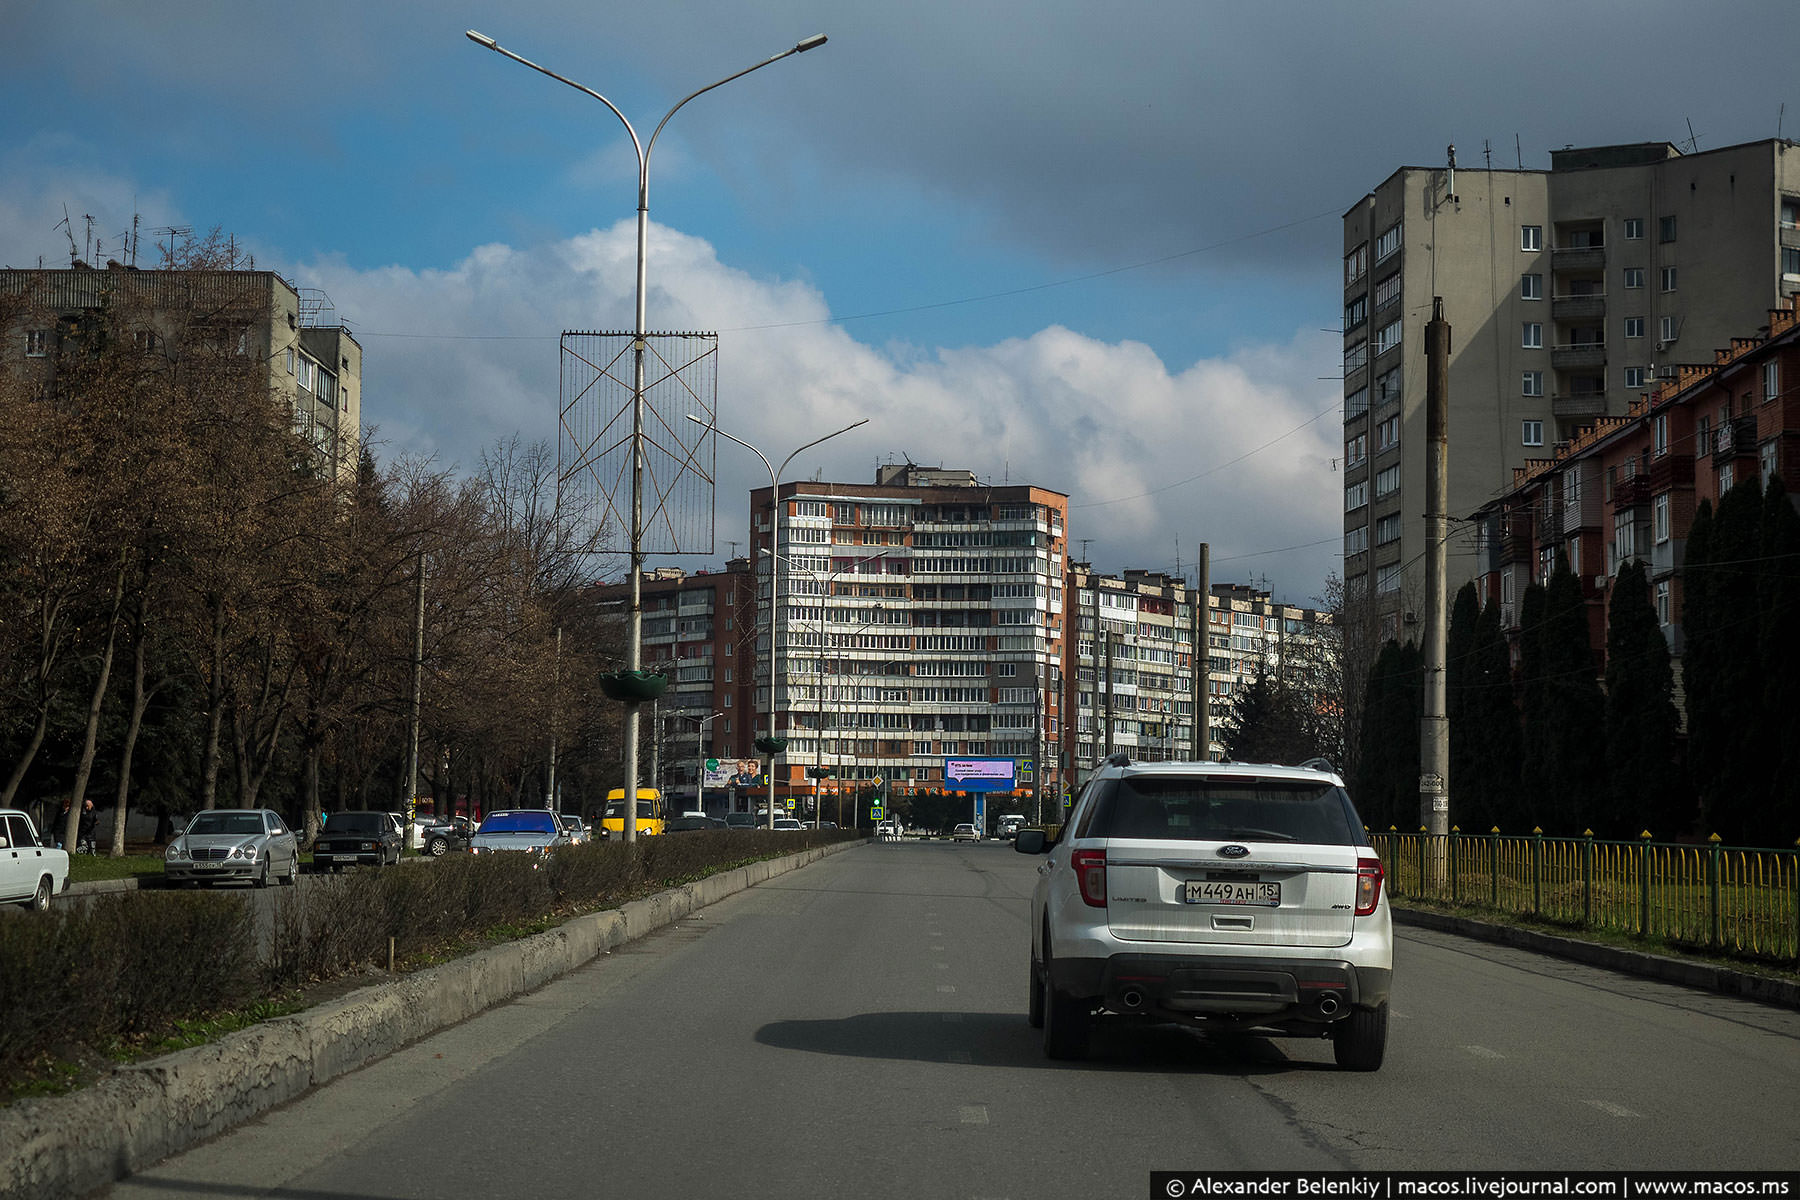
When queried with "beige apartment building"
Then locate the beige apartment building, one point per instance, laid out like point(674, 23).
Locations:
point(1568, 292)
point(315, 366)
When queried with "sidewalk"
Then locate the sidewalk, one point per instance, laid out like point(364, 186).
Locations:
point(1706, 976)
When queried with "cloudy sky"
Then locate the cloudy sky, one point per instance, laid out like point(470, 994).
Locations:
point(1089, 246)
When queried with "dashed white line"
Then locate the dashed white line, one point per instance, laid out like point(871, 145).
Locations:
point(1613, 1110)
point(974, 1114)
point(945, 987)
point(1483, 1052)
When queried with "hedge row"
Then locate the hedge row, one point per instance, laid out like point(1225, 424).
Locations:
point(125, 967)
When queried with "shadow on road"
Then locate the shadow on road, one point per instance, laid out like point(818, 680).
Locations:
point(1004, 1039)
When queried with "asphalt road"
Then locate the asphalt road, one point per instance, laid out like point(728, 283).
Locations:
point(857, 1028)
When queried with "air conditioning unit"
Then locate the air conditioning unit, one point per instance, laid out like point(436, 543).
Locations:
point(1661, 346)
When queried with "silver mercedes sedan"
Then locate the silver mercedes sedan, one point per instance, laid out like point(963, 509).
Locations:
point(252, 844)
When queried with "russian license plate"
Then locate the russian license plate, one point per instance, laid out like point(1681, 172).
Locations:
point(1230, 891)
point(207, 866)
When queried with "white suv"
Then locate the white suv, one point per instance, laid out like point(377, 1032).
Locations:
point(1232, 896)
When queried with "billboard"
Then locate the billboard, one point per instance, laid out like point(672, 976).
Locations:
point(730, 772)
point(978, 775)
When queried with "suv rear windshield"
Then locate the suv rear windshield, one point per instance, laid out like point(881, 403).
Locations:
point(1198, 810)
point(357, 822)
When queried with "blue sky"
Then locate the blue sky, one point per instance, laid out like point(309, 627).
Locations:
point(1089, 246)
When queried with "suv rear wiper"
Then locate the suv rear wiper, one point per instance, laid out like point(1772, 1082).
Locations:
point(1261, 835)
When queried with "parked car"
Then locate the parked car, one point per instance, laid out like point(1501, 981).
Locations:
point(1237, 896)
point(252, 844)
point(31, 869)
point(578, 832)
point(1009, 826)
point(742, 820)
point(440, 837)
point(528, 830)
point(787, 824)
point(351, 839)
point(965, 833)
point(696, 822)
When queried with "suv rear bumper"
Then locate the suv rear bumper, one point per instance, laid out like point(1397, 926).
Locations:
point(1181, 986)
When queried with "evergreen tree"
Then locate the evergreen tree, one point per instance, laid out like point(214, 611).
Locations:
point(1267, 722)
point(1534, 770)
point(1779, 607)
point(1575, 728)
point(1387, 783)
point(1643, 769)
point(1729, 789)
point(1488, 794)
point(1459, 669)
point(1699, 652)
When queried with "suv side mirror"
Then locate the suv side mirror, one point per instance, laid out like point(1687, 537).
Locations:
point(1030, 841)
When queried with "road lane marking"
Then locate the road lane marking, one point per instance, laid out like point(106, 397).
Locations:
point(945, 987)
point(1613, 1110)
point(941, 966)
point(1483, 1052)
point(974, 1114)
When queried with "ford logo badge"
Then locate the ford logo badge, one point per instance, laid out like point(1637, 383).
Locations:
point(1233, 851)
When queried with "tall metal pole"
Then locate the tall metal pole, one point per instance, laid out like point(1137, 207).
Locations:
point(411, 781)
point(1434, 728)
point(635, 621)
point(555, 711)
point(1203, 658)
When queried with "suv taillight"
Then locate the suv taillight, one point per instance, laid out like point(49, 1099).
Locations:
point(1368, 885)
point(1090, 875)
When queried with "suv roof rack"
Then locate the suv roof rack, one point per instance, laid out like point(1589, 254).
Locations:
point(1121, 759)
point(1318, 763)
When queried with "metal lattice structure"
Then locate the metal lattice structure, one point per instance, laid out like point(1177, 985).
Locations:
point(594, 435)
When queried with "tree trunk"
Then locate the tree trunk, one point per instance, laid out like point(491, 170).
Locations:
point(84, 768)
point(215, 712)
point(140, 703)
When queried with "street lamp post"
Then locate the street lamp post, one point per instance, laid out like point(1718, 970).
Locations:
point(774, 565)
point(700, 756)
point(635, 635)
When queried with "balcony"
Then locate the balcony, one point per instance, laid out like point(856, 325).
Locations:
point(1631, 492)
point(1578, 258)
point(1576, 405)
point(1735, 439)
point(1669, 471)
point(1578, 356)
point(1515, 538)
point(1578, 307)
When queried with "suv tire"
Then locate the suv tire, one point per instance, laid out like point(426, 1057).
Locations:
point(1034, 1012)
point(1067, 1019)
point(1359, 1041)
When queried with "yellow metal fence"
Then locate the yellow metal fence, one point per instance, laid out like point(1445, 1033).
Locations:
point(1725, 899)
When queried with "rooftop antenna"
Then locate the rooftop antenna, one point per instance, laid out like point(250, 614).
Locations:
point(733, 546)
point(1084, 545)
point(69, 229)
point(1779, 114)
point(88, 218)
point(174, 231)
point(1693, 141)
point(1487, 154)
point(1518, 153)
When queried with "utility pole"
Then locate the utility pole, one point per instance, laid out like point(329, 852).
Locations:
point(1434, 728)
point(1203, 657)
point(411, 781)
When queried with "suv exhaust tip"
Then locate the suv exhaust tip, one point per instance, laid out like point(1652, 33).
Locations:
point(1131, 1000)
point(1329, 1004)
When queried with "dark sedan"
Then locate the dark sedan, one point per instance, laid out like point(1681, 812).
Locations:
point(440, 838)
point(352, 839)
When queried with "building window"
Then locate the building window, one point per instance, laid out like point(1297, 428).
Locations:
point(1634, 229)
point(1662, 602)
point(1665, 227)
point(1767, 453)
point(1356, 450)
point(1356, 356)
point(1387, 482)
point(1659, 518)
point(1387, 291)
point(1659, 435)
point(1771, 380)
point(1634, 327)
point(1670, 329)
point(1790, 261)
point(1531, 335)
point(1531, 383)
point(1387, 529)
point(1387, 579)
point(1531, 433)
point(1531, 287)
point(1356, 540)
point(289, 356)
point(1356, 312)
point(1727, 477)
point(1356, 403)
point(1531, 237)
point(1356, 264)
point(37, 343)
point(1388, 338)
point(1387, 385)
point(1388, 242)
point(1790, 213)
point(1356, 495)
point(1634, 377)
point(1634, 277)
point(1668, 279)
point(1387, 435)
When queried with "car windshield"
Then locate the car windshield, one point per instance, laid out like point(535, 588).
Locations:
point(1194, 810)
point(356, 822)
point(226, 822)
point(519, 822)
point(616, 810)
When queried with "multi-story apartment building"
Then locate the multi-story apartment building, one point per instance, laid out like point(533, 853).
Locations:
point(699, 631)
point(920, 618)
point(1628, 486)
point(315, 369)
point(1131, 661)
point(1567, 291)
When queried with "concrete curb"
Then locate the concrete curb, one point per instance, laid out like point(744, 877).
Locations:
point(71, 1145)
point(1688, 973)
